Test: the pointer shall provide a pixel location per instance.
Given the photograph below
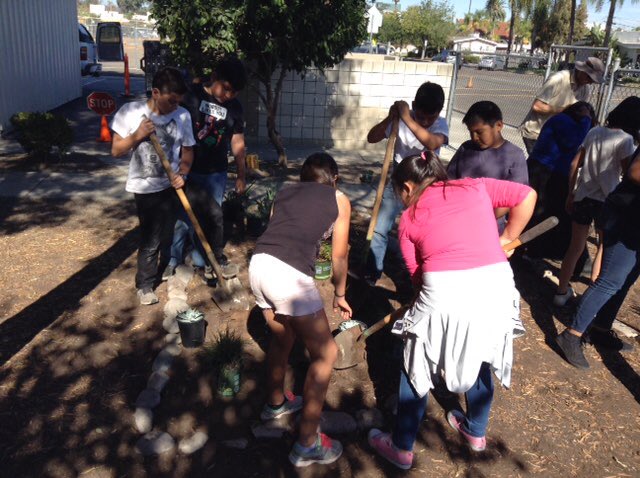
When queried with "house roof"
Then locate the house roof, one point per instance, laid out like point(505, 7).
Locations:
point(630, 39)
point(470, 39)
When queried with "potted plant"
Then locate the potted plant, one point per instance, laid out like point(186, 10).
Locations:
point(323, 262)
point(224, 356)
point(192, 327)
point(259, 212)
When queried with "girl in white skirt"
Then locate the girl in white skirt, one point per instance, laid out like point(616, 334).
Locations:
point(461, 326)
point(281, 274)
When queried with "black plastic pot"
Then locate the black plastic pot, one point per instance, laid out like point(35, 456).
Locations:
point(192, 333)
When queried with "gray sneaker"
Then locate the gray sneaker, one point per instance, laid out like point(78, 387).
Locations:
point(229, 270)
point(571, 346)
point(168, 271)
point(147, 296)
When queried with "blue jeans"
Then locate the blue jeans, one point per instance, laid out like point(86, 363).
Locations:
point(603, 299)
point(215, 184)
point(411, 408)
point(389, 210)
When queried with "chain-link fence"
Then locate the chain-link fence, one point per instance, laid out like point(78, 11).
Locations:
point(623, 84)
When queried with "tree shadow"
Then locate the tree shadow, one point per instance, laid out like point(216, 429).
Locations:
point(620, 369)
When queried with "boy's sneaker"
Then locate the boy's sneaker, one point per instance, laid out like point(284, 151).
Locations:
point(560, 300)
point(456, 418)
point(147, 296)
point(292, 403)
point(228, 269)
point(324, 451)
point(168, 271)
point(382, 443)
point(571, 346)
point(607, 339)
point(208, 272)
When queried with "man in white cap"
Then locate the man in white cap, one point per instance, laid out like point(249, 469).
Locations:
point(561, 89)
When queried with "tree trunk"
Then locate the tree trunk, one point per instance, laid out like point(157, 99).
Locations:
point(572, 22)
point(607, 30)
point(271, 100)
point(512, 26)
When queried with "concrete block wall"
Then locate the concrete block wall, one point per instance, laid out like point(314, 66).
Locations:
point(337, 107)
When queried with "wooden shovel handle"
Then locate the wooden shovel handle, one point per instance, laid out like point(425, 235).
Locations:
point(187, 207)
point(392, 317)
point(388, 157)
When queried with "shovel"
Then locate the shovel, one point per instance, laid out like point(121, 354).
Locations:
point(351, 342)
point(230, 295)
point(388, 157)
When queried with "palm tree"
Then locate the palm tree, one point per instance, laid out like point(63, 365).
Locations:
point(612, 10)
point(572, 22)
point(495, 12)
point(516, 6)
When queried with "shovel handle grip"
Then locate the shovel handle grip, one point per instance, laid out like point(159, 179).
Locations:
point(392, 317)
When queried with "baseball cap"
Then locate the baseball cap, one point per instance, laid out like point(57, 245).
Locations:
point(592, 67)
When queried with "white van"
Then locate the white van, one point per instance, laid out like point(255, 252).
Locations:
point(88, 53)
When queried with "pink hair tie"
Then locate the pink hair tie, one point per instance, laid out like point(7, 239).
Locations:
point(423, 155)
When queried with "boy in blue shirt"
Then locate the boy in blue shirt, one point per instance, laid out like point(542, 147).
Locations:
point(420, 127)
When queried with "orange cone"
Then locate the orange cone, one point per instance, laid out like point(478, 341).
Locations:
point(470, 82)
point(127, 79)
point(105, 132)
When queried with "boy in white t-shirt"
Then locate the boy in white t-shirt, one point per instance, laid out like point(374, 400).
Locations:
point(420, 127)
point(155, 200)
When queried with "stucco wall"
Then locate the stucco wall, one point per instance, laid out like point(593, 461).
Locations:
point(337, 107)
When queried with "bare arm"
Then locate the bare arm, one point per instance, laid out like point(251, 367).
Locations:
point(543, 108)
point(519, 217)
point(576, 164)
point(431, 141)
point(121, 146)
point(340, 255)
point(634, 169)
point(379, 131)
point(239, 152)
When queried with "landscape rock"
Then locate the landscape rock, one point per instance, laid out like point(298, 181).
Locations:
point(173, 307)
point(163, 362)
point(157, 381)
point(240, 443)
point(155, 443)
point(337, 423)
point(148, 398)
point(172, 349)
point(184, 274)
point(369, 418)
point(143, 418)
point(193, 443)
point(177, 294)
point(172, 339)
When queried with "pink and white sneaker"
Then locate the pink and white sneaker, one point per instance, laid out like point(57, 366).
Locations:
point(456, 419)
point(382, 443)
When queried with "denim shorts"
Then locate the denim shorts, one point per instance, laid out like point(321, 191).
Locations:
point(586, 211)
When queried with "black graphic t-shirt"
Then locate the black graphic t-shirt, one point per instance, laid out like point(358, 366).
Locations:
point(213, 126)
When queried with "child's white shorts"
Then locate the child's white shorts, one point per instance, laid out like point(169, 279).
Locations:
point(284, 289)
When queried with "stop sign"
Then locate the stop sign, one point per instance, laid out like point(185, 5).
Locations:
point(101, 103)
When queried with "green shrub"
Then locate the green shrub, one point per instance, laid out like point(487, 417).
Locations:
point(227, 349)
point(38, 133)
point(470, 58)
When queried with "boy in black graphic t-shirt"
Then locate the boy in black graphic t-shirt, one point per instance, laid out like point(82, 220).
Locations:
point(218, 125)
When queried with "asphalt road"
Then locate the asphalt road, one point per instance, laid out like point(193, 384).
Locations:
point(512, 92)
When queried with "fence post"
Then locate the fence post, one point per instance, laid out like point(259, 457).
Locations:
point(549, 62)
point(610, 86)
point(452, 88)
point(601, 88)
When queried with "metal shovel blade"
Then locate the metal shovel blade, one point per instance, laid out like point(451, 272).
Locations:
point(231, 295)
point(350, 349)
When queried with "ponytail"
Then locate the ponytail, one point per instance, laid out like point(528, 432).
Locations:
point(422, 169)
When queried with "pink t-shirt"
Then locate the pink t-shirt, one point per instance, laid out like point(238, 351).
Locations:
point(453, 226)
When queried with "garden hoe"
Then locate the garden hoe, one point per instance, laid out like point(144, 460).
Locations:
point(230, 294)
point(351, 342)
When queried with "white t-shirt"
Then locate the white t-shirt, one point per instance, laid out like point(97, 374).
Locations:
point(407, 144)
point(601, 172)
point(146, 174)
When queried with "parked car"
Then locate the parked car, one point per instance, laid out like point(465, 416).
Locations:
point(88, 53)
point(446, 57)
point(380, 49)
point(491, 63)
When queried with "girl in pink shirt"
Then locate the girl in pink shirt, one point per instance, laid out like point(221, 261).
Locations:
point(462, 323)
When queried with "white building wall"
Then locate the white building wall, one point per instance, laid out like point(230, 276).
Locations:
point(39, 55)
point(337, 108)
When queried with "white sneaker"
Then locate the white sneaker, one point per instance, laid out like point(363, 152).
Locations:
point(560, 300)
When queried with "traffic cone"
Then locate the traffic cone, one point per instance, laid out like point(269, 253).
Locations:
point(127, 78)
point(105, 132)
point(470, 82)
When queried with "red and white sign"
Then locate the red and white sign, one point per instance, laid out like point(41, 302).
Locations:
point(101, 103)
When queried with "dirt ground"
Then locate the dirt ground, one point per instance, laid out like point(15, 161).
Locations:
point(76, 350)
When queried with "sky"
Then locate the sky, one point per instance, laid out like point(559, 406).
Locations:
point(626, 17)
